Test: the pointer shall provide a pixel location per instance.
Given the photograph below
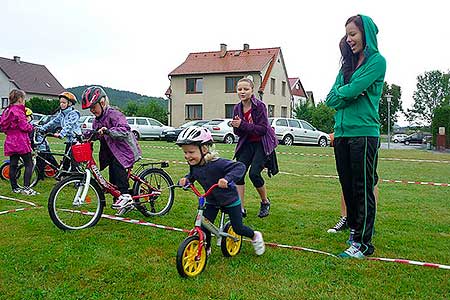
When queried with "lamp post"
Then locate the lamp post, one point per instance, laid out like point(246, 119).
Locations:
point(389, 99)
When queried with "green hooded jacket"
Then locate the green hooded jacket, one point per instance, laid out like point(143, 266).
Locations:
point(357, 102)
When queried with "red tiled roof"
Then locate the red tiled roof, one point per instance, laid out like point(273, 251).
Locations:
point(234, 61)
point(31, 78)
point(294, 91)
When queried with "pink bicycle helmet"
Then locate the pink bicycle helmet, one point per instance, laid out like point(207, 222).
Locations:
point(194, 135)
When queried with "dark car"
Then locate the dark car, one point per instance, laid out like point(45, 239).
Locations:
point(416, 138)
point(171, 135)
point(47, 118)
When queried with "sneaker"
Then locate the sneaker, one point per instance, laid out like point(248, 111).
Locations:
point(244, 213)
point(351, 237)
point(29, 191)
point(352, 252)
point(122, 201)
point(341, 225)
point(17, 190)
point(124, 210)
point(264, 209)
point(258, 243)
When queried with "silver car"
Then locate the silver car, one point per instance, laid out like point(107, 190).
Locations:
point(221, 130)
point(292, 131)
point(146, 127)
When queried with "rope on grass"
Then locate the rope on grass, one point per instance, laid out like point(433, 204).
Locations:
point(16, 210)
point(321, 155)
point(18, 200)
point(382, 180)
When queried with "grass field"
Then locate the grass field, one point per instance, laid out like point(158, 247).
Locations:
point(116, 260)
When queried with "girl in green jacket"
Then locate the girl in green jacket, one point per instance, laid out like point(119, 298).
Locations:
point(356, 95)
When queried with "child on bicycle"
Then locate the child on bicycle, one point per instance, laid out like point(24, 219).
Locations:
point(118, 146)
point(42, 146)
point(67, 119)
point(17, 143)
point(208, 169)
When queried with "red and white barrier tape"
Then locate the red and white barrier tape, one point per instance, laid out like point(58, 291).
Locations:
point(410, 262)
point(17, 209)
point(18, 200)
point(322, 155)
point(275, 245)
point(382, 180)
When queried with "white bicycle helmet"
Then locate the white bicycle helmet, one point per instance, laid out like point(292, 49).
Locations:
point(194, 135)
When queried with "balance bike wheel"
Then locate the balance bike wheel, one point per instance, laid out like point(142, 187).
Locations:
point(187, 266)
point(228, 246)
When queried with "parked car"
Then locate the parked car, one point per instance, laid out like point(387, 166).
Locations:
point(86, 122)
point(146, 127)
point(416, 138)
point(171, 135)
point(222, 131)
point(399, 138)
point(294, 131)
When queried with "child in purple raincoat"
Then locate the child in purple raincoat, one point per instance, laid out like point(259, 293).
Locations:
point(118, 146)
point(17, 143)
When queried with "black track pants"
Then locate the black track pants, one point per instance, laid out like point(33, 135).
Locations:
point(356, 163)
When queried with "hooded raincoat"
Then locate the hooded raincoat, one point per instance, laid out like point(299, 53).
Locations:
point(16, 127)
point(357, 102)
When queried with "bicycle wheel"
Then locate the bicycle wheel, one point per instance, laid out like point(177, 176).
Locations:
point(66, 214)
point(187, 265)
point(21, 172)
point(155, 180)
point(228, 246)
point(5, 171)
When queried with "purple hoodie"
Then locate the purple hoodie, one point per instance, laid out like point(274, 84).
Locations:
point(260, 126)
point(14, 124)
point(119, 141)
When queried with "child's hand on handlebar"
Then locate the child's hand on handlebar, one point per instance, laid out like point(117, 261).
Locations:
point(223, 183)
point(57, 135)
point(103, 131)
point(183, 182)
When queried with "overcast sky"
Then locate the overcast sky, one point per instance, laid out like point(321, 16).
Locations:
point(133, 45)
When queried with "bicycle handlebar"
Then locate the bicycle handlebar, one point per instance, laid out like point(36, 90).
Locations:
point(207, 193)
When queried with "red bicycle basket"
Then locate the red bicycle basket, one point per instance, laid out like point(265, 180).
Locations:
point(82, 152)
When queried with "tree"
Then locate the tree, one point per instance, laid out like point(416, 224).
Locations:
point(395, 107)
point(43, 106)
point(303, 111)
point(433, 90)
point(322, 117)
point(131, 109)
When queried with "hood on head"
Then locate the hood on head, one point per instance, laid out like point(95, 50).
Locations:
point(370, 31)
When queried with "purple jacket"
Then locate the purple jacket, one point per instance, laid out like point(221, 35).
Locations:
point(14, 124)
point(260, 126)
point(118, 141)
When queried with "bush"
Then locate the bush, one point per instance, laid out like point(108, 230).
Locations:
point(43, 106)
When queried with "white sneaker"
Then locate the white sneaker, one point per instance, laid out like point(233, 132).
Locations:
point(123, 201)
point(258, 243)
point(29, 191)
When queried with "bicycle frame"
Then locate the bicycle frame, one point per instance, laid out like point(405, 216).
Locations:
point(111, 188)
point(201, 220)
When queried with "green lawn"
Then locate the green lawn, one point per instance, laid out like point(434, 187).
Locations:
point(116, 260)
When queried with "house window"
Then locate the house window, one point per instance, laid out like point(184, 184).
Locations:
point(272, 86)
point(229, 111)
point(194, 112)
point(284, 111)
point(231, 83)
point(283, 88)
point(5, 102)
point(271, 111)
point(194, 85)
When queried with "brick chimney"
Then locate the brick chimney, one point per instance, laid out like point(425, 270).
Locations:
point(17, 59)
point(246, 47)
point(223, 50)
